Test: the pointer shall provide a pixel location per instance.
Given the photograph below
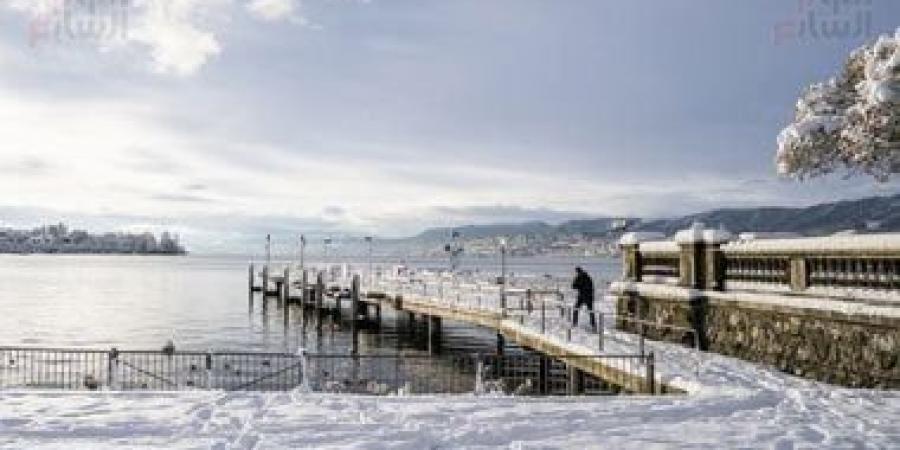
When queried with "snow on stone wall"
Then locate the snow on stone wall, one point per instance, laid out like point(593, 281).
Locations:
point(883, 242)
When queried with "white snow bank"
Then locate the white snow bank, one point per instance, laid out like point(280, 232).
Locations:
point(639, 236)
point(853, 306)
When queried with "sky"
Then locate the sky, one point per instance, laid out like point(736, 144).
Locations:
point(224, 120)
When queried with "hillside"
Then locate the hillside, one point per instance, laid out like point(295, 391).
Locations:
point(825, 218)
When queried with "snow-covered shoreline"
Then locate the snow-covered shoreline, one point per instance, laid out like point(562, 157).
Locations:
point(764, 418)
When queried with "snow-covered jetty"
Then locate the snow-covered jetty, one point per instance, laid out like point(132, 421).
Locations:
point(826, 308)
point(532, 315)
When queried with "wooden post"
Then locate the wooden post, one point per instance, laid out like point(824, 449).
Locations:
point(286, 293)
point(576, 380)
point(252, 274)
point(543, 371)
point(354, 314)
point(287, 285)
point(265, 280)
point(304, 297)
point(434, 335)
point(319, 293)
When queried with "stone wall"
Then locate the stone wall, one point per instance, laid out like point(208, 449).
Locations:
point(849, 350)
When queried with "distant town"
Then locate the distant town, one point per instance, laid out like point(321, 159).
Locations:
point(60, 239)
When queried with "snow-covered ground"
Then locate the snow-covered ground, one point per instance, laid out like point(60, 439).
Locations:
point(801, 416)
point(730, 403)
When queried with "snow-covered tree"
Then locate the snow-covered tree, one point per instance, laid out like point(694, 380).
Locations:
point(850, 122)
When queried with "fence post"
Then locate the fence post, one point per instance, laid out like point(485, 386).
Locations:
point(354, 314)
point(303, 285)
point(543, 316)
point(287, 285)
point(641, 337)
point(651, 375)
point(600, 330)
point(112, 356)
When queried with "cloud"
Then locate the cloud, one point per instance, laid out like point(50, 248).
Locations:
point(173, 32)
point(272, 10)
point(178, 35)
point(28, 165)
point(181, 198)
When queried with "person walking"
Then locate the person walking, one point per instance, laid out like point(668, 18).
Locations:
point(585, 287)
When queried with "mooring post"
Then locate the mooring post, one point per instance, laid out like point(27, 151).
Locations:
point(600, 331)
point(304, 296)
point(287, 285)
point(576, 380)
point(286, 293)
point(543, 371)
point(543, 316)
point(265, 281)
point(110, 370)
point(651, 375)
point(252, 274)
point(318, 294)
point(434, 334)
point(354, 313)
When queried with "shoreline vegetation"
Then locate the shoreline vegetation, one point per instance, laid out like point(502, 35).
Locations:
point(53, 239)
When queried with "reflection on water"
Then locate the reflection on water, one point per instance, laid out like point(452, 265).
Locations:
point(201, 303)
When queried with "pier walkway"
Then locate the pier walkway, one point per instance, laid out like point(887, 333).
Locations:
point(532, 313)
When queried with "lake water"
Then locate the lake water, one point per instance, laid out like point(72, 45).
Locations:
point(201, 303)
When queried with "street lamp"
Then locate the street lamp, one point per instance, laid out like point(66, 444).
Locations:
point(302, 251)
point(369, 240)
point(326, 242)
point(268, 249)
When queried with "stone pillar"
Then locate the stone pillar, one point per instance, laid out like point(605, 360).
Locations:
point(799, 274)
point(701, 265)
point(715, 267)
point(631, 261)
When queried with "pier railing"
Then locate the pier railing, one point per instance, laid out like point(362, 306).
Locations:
point(852, 266)
point(155, 370)
point(547, 310)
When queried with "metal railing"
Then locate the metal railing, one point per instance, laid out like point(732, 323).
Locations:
point(160, 370)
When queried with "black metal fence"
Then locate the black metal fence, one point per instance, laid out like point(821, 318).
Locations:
point(517, 374)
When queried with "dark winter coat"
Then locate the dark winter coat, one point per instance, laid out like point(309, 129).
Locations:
point(585, 287)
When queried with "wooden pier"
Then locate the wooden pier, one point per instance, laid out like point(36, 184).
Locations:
point(365, 307)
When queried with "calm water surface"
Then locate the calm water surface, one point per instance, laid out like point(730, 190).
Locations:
point(200, 302)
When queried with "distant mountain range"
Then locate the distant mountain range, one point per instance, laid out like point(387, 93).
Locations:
point(880, 213)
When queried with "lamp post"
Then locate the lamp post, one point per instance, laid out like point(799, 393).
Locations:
point(302, 251)
point(369, 240)
point(326, 242)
